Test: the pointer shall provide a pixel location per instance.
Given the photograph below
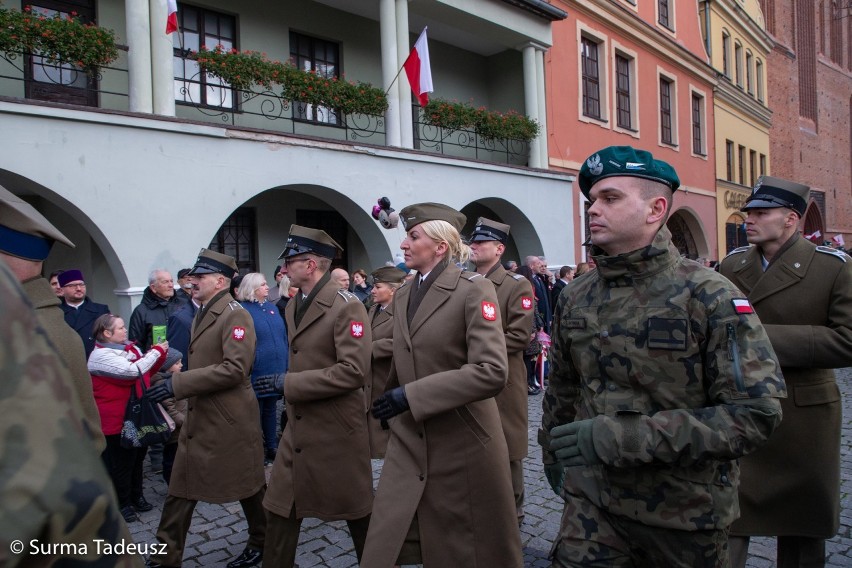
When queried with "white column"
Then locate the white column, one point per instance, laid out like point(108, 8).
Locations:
point(542, 109)
point(406, 127)
point(531, 99)
point(138, 23)
point(387, 22)
point(162, 66)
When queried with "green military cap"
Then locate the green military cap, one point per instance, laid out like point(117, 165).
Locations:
point(488, 230)
point(625, 161)
point(302, 240)
point(772, 192)
point(390, 274)
point(24, 232)
point(212, 262)
point(413, 215)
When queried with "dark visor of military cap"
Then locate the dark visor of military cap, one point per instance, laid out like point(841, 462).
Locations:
point(389, 274)
point(413, 215)
point(212, 262)
point(488, 230)
point(625, 161)
point(303, 240)
point(770, 192)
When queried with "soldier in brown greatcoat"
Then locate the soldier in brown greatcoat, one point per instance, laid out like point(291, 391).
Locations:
point(515, 295)
point(219, 457)
point(790, 487)
point(386, 280)
point(445, 494)
point(322, 469)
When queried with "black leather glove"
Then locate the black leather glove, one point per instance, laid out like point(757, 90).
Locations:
point(390, 404)
point(160, 391)
point(270, 384)
point(555, 474)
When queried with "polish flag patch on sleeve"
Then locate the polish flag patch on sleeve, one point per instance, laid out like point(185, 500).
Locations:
point(489, 311)
point(357, 329)
point(526, 303)
point(742, 306)
point(239, 333)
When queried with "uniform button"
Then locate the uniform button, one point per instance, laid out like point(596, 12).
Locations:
point(189, 437)
point(191, 351)
point(298, 450)
point(612, 386)
point(421, 477)
point(420, 434)
point(298, 417)
point(295, 351)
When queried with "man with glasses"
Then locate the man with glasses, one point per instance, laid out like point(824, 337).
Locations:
point(323, 465)
point(80, 311)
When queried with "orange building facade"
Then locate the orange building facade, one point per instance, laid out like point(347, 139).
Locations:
point(622, 72)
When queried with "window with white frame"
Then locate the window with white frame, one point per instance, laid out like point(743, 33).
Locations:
point(624, 91)
point(698, 128)
point(323, 58)
point(726, 54)
point(591, 77)
point(667, 111)
point(749, 64)
point(758, 75)
point(664, 15)
point(738, 63)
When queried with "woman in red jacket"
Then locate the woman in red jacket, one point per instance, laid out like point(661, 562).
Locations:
point(116, 366)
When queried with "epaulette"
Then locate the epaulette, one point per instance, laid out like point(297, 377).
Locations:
point(833, 252)
point(235, 305)
point(738, 251)
point(471, 275)
point(347, 295)
point(517, 276)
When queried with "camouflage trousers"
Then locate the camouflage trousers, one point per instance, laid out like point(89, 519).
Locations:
point(591, 537)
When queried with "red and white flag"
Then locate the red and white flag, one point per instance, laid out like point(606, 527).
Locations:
point(838, 240)
point(418, 69)
point(171, 21)
point(814, 237)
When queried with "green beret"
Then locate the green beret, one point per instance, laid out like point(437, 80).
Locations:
point(303, 240)
point(413, 215)
point(24, 232)
point(390, 274)
point(770, 192)
point(488, 230)
point(212, 262)
point(625, 161)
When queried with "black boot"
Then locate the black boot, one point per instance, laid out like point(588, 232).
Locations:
point(249, 557)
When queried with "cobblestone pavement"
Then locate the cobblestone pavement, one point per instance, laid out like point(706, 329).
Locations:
point(218, 532)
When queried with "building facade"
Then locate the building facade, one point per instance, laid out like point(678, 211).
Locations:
point(810, 93)
point(623, 72)
point(739, 47)
point(152, 159)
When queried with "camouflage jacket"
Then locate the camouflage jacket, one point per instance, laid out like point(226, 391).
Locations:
point(679, 378)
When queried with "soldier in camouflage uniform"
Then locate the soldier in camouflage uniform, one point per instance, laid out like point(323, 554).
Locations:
point(56, 500)
point(661, 377)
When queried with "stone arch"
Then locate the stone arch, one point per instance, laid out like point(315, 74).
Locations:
point(688, 233)
point(367, 244)
point(93, 254)
point(523, 238)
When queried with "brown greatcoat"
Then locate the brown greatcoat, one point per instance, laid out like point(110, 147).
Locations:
point(515, 295)
point(790, 486)
point(70, 348)
point(219, 457)
point(381, 322)
point(323, 462)
point(447, 460)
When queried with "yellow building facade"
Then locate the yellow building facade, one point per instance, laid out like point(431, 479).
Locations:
point(736, 39)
